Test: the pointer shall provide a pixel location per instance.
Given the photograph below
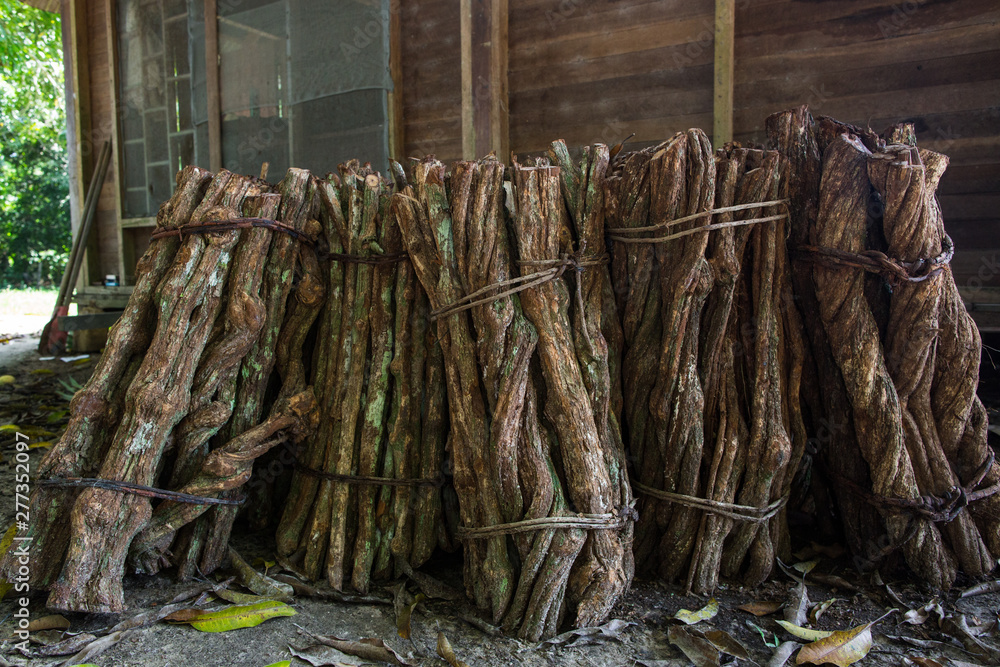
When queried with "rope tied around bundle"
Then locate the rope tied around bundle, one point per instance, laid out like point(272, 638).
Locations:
point(556, 268)
point(937, 509)
point(744, 513)
point(896, 271)
point(615, 234)
point(233, 224)
point(613, 520)
point(137, 490)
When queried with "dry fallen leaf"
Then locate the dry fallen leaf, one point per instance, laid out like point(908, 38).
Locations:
point(445, 650)
point(920, 615)
point(913, 641)
point(319, 655)
point(68, 646)
point(808, 634)
point(259, 583)
point(832, 580)
point(842, 648)
point(699, 651)
point(782, 654)
point(958, 627)
point(979, 589)
point(46, 637)
point(96, 647)
point(921, 662)
point(403, 620)
point(53, 622)
point(706, 613)
point(819, 609)
point(369, 648)
point(240, 598)
point(797, 610)
point(726, 643)
point(762, 607)
point(590, 635)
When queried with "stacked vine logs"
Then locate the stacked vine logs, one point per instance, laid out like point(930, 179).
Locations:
point(915, 472)
point(519, 463)
point(715, 430)
point(345, 359)
point(209, 368)
point(377, 375)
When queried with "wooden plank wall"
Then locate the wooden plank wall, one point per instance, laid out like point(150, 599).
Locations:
point(598, 70)
point(430, 43)
point(875, 63)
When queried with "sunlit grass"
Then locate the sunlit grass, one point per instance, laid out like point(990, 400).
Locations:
point(28, 301)
point(25, 311)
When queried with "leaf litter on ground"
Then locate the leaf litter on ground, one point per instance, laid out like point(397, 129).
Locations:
point(261, 584)
point(445, 650)
point(762, 607)
point(612, 630)
point(698, 650)
point(706, 613)
point(842, 648)
point(232, 618)
point(369, 648)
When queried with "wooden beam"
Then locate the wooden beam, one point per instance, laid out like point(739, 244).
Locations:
point(86, 144)
point(725, 30)
point(90, 321)
point(468, 102)
point(485, 122)
point(212, 83)
point(115, 137)
point(74, 66)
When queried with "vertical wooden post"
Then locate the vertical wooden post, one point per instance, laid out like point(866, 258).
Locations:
point(115, 137)
point(72, 15)
point(468, 102)
point(485, 123)
point(212, 83)
point(725, 30)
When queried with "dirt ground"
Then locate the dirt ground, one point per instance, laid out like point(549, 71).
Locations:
point(37, 398)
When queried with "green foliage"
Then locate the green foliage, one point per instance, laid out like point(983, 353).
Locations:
point(34, 189)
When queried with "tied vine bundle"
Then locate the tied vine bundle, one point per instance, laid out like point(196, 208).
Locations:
point(344, 359)
point(162, 389)
point(536, 449)
point(915, 470)
point(367, 490)
point(713, 356)
point(211, 367)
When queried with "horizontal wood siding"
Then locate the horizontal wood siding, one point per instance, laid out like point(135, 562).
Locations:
point(432, 78)
point(874, 63)
point(598, 70)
